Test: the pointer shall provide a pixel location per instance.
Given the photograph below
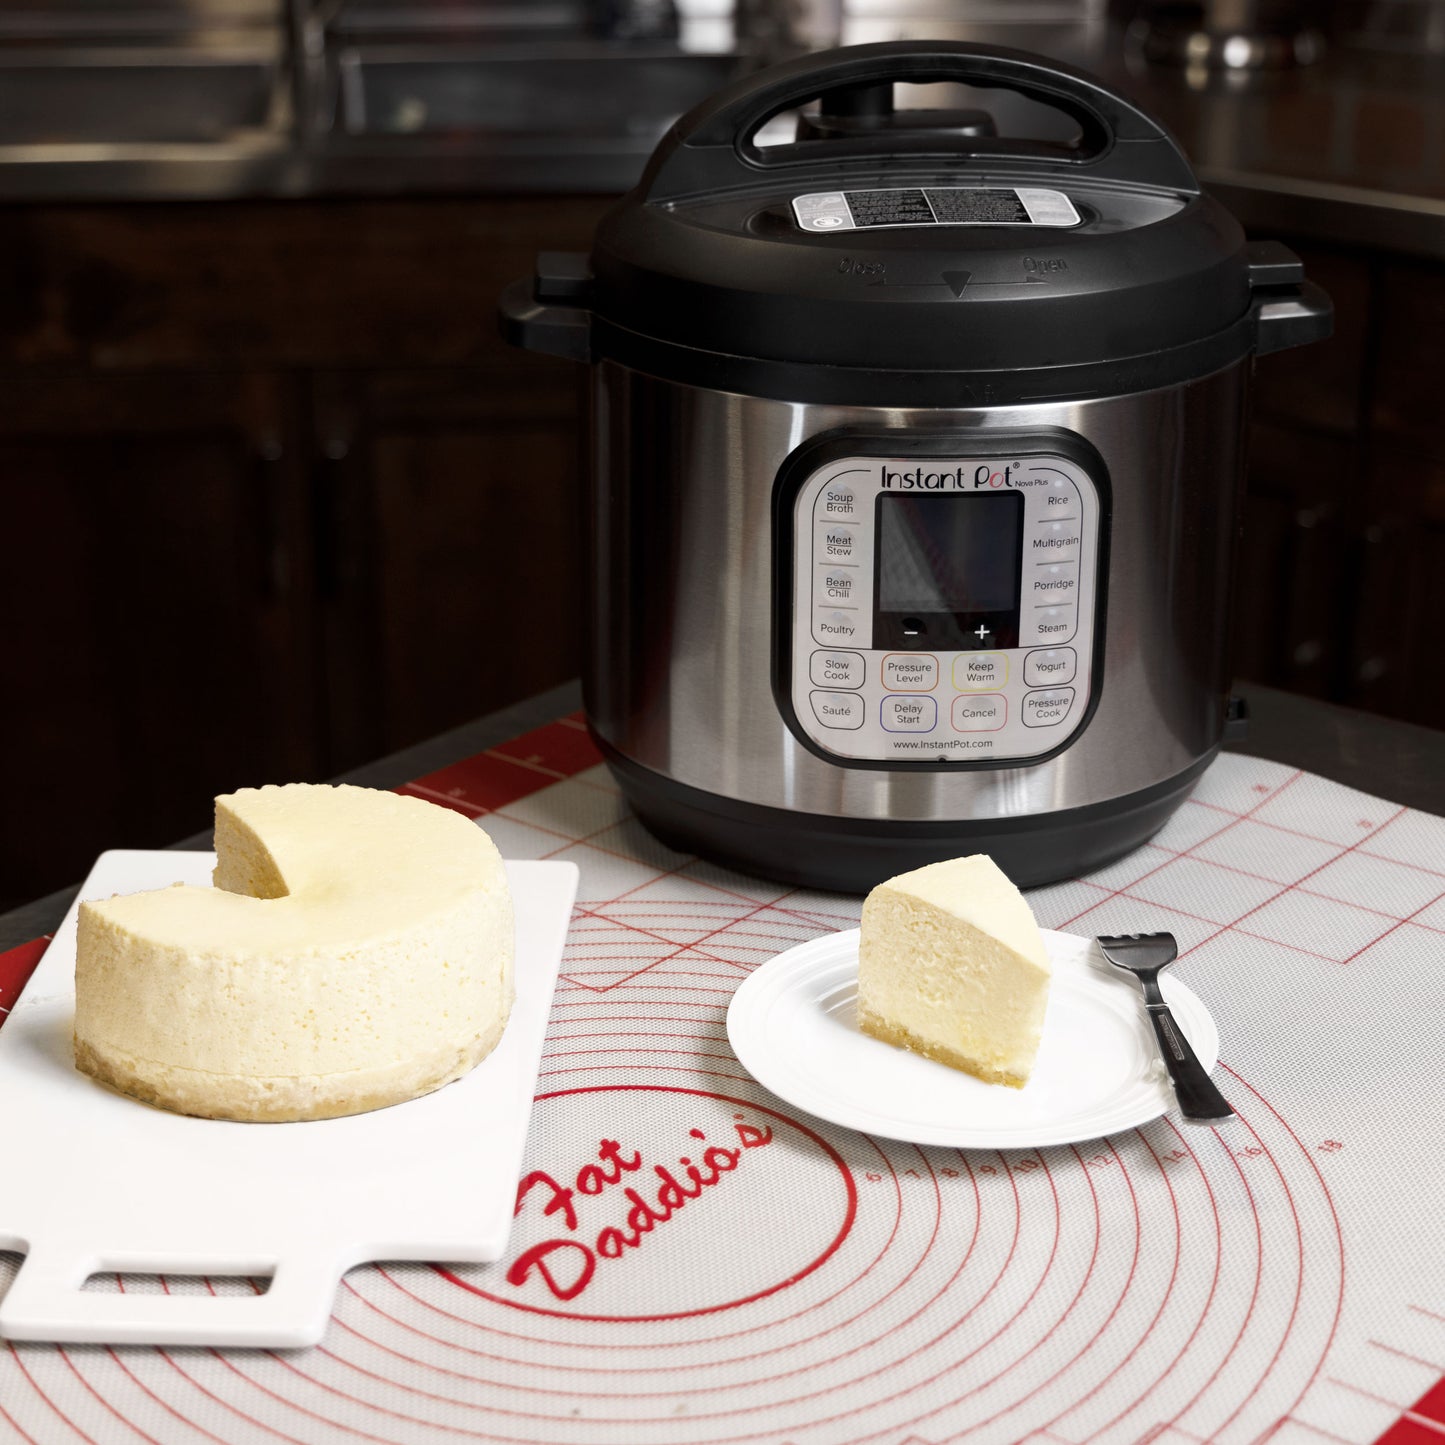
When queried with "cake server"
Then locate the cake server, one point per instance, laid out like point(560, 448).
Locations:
point(1146, 956)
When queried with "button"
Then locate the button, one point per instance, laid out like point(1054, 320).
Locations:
point(837, 669)
point(837, 709)
point(835, 543)
point(1050, 624)
point(985, 714)
point(910, 714)
point(1052, 666)
point(1047, 709)
point(836, 626)
point(1054, 541)
point(980, 671)
point(1053, 583)
point(910, 672)
point(838, 500)
point(835, 586)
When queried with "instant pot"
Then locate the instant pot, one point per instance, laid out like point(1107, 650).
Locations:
point(917, 462)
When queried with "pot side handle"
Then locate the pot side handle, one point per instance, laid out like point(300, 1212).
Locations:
point(1288, 311)
point(549, 313)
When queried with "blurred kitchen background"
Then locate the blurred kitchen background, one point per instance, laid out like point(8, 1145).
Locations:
point(275, 498)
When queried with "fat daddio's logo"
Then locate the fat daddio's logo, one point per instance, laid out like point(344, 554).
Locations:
point(653, 1201)
point(650, 1195)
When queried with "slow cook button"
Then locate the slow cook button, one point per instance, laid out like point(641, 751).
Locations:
point(835, 626)
point(986, 714)
point(1050, 667)
point(837, 669)
point(910, 714)
point(1047, 709)
point(980, 671)
point(838, 709)
point(910, 672)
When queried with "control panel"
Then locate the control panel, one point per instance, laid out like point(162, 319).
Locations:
point(943, 607)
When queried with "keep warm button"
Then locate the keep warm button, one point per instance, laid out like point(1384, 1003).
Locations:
point(1047, 709)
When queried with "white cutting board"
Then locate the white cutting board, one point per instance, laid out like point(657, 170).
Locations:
point(91, 1181)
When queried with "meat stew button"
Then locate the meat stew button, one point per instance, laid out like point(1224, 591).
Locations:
point(1047, 709)
point(837, 709)
point(1050, 666)
point(837, 669)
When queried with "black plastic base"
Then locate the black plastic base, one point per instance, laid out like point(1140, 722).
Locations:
point(850, 855)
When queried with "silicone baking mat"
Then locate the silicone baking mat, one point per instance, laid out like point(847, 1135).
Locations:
point(694, 1262)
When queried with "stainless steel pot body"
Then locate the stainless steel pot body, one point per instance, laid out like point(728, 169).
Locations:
point(679, 673)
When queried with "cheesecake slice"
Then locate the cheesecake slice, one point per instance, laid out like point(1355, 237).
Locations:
point(355, 952)
point(951, 966)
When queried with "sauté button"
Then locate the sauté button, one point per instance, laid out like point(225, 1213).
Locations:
point(837, 669)
point(909, 714)
point(837, 709)
point(1047, 709)
point(1050, 666)
point(910, 672)
point(980, 671)
point(981, 714)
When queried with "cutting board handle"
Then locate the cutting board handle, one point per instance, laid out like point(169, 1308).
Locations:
point(46, 1302)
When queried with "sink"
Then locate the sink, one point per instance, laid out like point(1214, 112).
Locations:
point(584, 90)
point(123, 96)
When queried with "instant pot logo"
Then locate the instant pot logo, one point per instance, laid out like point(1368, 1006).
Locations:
point(957, 479)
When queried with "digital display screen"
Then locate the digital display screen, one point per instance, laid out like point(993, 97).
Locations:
point(958, 553)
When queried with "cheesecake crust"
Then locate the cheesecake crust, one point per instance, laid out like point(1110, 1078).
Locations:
point(902, 1038)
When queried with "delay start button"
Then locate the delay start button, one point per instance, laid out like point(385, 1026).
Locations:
point(1049, 708)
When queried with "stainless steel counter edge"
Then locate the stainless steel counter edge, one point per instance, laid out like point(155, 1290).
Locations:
point(1397, 761)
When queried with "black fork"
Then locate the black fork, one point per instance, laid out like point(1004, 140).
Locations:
point(1146, 956)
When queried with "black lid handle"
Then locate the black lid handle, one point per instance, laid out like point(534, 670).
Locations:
point(712, 147)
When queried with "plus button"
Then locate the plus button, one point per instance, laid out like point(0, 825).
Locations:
point(982, 632)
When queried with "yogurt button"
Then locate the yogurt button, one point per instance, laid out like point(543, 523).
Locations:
point(1050, 667)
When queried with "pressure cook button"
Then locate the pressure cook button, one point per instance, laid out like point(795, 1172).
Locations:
point(838, 709)
point(836, 626)
point(909, 714)
point(1050, 667)
point(910, 672)
point(837, 669)
point(1047, 709)
point(985, 714)
point(980, 671)
point(835, 543)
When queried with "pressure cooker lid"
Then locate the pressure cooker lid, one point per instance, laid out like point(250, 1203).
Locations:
point(917, 243)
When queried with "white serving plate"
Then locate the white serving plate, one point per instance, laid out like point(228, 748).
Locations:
point(792, 1026)
point(94, 1181)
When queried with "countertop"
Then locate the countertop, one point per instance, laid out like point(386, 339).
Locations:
point(1350, 149)
point(1392, 760)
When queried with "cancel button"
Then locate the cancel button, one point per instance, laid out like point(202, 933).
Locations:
point(1047, 709)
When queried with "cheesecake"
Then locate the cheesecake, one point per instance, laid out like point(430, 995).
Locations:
point(355, 952)
point(951, 965)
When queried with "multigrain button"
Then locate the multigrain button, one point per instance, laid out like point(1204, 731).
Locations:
point(980, 671)
point(837, 669)
point(909, 714)
point(1047, 709)
point(1054, 542)
point(986, 713)
point(1050, 667)
point(836, 626)
point(910, 672)
point(838, 709)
